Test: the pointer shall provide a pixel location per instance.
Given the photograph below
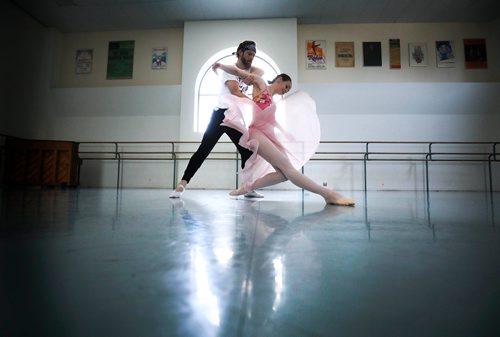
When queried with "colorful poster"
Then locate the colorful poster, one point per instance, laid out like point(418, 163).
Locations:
point(445, 54)
point(395, 53)
point(417, 53)
point(159, 58)
point(475, 54)
point(344, 54)
point(83, 61)
point(372, 54)
point(120, 60)
point(316, 54)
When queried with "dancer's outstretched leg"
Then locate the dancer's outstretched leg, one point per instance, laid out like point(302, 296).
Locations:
point(280, 162)
point(269, 179)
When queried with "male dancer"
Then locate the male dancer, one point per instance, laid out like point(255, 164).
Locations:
point(236, 86)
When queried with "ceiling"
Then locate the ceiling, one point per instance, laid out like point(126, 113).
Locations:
point(71, 16)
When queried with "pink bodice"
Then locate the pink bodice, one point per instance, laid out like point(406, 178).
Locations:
point(264, 99)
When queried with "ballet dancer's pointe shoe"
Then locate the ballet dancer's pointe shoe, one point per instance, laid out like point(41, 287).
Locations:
point(243, 189)
point(253, 194)
point(344, 201)
point(177, 192)
point(340, 200)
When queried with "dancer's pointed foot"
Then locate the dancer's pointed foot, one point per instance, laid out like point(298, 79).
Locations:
point(177, 192)
point(344, 201)
point(339, 200)
point(243, 189)
point(253, 194)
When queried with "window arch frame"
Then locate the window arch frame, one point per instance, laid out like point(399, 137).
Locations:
point(224, 56)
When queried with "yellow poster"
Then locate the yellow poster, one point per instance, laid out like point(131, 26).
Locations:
point(344, 54)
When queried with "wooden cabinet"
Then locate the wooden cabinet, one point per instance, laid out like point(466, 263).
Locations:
point(42, 163)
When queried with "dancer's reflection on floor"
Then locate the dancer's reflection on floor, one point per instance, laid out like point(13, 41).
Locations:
point(286, 268)
point(242, 276)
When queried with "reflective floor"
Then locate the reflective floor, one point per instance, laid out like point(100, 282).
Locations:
point(101, 262)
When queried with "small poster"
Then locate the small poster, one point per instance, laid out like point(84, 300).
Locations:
point(395, 53)
point(83, 61)
point(445, 54)
point(475, 54)
point(159, 58)
point(316, 54)
point(372, 54)
point(344, 54)
point(120, 60)
point(417, 53)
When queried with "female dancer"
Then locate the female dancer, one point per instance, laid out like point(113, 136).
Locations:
point(265, 141)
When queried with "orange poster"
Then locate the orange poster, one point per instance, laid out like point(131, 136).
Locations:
point(316, 54)
point(394, 54)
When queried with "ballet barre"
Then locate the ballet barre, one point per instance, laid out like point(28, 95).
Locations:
point(430, 154)
point(361, 151)
point(115, 152)
point(364, 152)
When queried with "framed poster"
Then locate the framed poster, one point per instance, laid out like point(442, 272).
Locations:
point(445, 54)
point(159, 58)
point(417, 53)
point(83, 61)
point(475, 54)
point(394, 54)
point(372, 54)
point(344, 54)
point(120, 60)
point(316, 54)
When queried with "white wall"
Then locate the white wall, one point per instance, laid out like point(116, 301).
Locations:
point(410, 104)
point(89, 107)
point(433, 111)
point(143, 74)
point(407, 33)
point(125, 113)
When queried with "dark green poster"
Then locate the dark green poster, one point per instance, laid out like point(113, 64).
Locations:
point(120, 59)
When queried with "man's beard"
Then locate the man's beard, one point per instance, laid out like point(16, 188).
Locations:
point(246, 64)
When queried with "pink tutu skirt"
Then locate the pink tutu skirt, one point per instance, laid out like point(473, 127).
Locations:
point(291, 124)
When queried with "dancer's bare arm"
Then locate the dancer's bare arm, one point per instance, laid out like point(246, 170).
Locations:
point(249, 77)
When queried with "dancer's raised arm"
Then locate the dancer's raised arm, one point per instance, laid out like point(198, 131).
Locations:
point(248, 77)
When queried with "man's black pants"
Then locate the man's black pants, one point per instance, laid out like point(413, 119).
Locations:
point(210, 138)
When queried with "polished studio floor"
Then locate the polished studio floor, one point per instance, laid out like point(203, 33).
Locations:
point(102, 262)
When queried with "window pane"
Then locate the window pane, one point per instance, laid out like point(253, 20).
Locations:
point(206, 107)
point(210, 85)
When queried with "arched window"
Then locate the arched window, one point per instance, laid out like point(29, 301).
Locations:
point(207, 84)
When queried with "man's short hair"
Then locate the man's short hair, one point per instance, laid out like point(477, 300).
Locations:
point(247, 45)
